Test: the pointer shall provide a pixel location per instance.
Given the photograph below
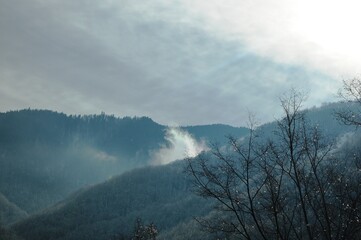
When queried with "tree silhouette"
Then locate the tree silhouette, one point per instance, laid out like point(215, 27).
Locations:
point(288, 187)
point(351, 93)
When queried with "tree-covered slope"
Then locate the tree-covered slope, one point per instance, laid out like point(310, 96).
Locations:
point(45, 155)
point(158, 194)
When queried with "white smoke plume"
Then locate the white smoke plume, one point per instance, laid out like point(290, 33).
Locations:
point(181, 145)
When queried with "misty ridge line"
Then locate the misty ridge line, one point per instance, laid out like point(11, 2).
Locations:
point(179, 143)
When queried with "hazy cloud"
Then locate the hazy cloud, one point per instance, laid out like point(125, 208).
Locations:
point(181, 145)
point(184, 62)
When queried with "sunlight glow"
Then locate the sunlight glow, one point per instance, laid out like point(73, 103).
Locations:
point(332, 25)
point(317, 34)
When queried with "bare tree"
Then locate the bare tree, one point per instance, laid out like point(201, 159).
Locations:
point(284, 188)
point(231, 177)
point(351, 93)
point(140, 232)
point(144, 232)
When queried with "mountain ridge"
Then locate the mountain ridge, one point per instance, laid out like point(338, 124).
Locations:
point(104, 226)
point(46, 155)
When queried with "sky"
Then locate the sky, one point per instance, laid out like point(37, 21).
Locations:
point(179, 62)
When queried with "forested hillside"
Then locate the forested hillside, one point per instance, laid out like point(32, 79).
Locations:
point(46, 155)
point(158, 194)
point(163, 195)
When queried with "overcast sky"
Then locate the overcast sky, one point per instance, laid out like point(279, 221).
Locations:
point(178, 62)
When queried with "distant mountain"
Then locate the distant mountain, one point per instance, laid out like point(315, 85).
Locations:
point(158, 194)
point(323, 117)
point(216, 133)
point(45, 155)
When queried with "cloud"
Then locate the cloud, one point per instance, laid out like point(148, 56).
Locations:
point(98, 155)
point(348, 142)
point(318, 35)
point(347, 148)
point(180, 145)
point(190, 62)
